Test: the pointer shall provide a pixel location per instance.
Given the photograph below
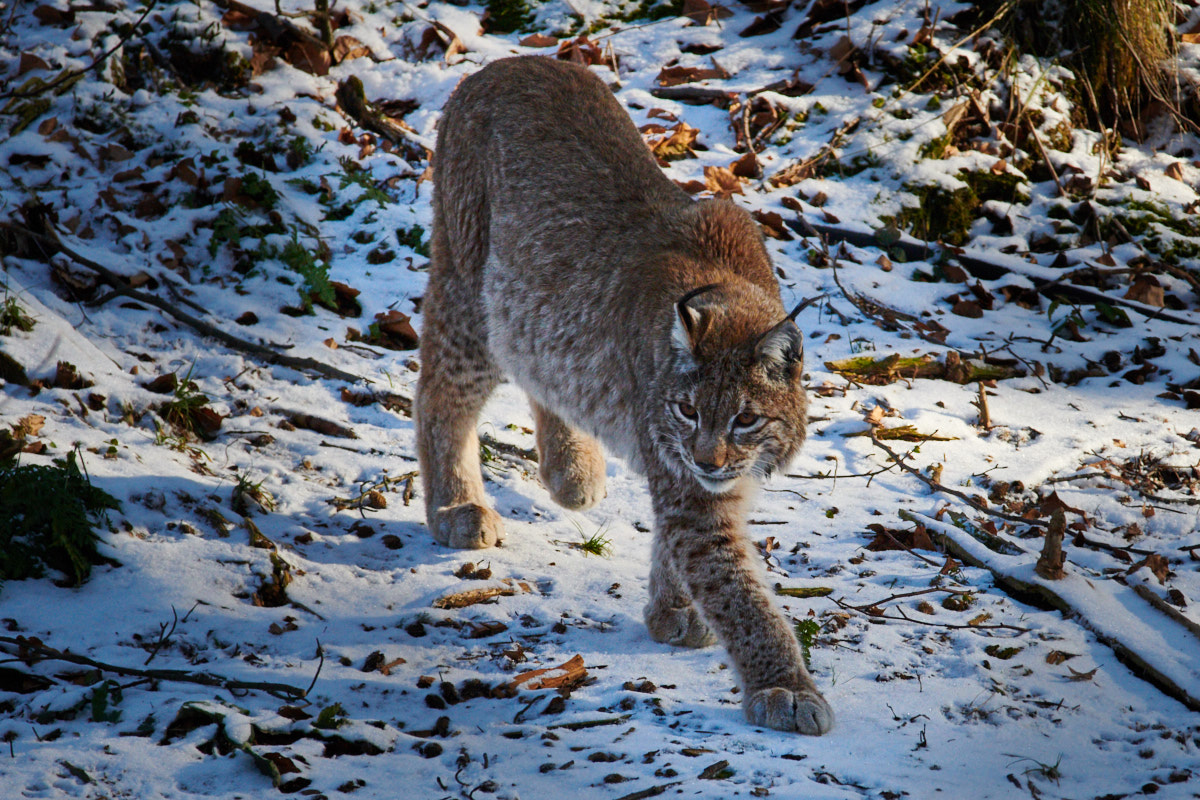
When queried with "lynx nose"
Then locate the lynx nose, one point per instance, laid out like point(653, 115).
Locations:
point(707, 466)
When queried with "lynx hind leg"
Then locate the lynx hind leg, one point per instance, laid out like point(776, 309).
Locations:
point(450, 394)
point(570, 463)
point(457, 377)
point(671, 617)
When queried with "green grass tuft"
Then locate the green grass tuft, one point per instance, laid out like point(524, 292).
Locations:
point(47, 514)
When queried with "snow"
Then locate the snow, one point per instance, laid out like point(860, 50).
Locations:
point(934, 706)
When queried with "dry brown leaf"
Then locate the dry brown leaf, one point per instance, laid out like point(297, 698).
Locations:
point(1082, 676)
point(346, 48)
point(1174, 171)
point(673, 143)
point(539, 40)
point(319, 425)
point(30, 425)
point(1056, 657)
point(581, 51)
point(1156, 564)
point(702, 12)
point(1146, 289)
point(746, 166)
point(772, 225)
point(674, 76)
point(30, 62)
point(722, 182)
point(310, 57)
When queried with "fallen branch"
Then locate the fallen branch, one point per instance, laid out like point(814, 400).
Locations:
point(570, 673)
point(31, 650)
point(875, 611)
point(1165, 661)
point(982, 267)
point(120, 287)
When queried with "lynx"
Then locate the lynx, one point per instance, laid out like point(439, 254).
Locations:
point(631, 315)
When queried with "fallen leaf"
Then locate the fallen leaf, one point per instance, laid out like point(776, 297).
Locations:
point(1082, 676)
point(320, 425)
point(746, 166)
point(674, 76)
point(722, 182)
point(1157, 564)
point(772, 225)
point(346, 48)
point(308, 56)
point(581, 51)
point(30, 62)
point(967, 308)
point(1052, 502)
point(29, 425)
point(703, 12)
point(539, 40)
point(1146, 289)
point(1174, 171)
point(674, 143)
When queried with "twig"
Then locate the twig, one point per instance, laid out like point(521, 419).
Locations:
point(74, 73)
point(903, 618)
point(164, 636)
point(591, 723)
point(32, 650)
point(320, 663)
point(120, 287)
point(938, 487)
point(653, 791)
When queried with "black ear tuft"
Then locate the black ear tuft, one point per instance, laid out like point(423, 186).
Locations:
point(690, 323)
point(781, 348)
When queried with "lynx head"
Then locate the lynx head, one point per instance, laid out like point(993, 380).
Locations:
point(733, 405)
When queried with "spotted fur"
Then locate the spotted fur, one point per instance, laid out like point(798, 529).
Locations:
point(563, 260)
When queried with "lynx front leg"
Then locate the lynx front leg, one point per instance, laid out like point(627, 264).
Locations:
point(571, 463)
point(670, 615)
point(456, 380)
point(702, 537)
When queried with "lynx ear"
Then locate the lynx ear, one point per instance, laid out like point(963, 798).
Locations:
point(781, 349)
point(690, 323)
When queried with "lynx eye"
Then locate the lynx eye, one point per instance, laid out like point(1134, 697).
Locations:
point(687, 410)
point(746, 419)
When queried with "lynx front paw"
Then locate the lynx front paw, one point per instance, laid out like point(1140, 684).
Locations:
point(575, 475)
point(803, 710)
point(467, 526)
point(682, 627)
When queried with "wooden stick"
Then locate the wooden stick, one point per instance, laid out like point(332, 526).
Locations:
point(508, 588)
point(33, 650)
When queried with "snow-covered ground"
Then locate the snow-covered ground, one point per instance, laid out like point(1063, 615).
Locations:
point(289, 545)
